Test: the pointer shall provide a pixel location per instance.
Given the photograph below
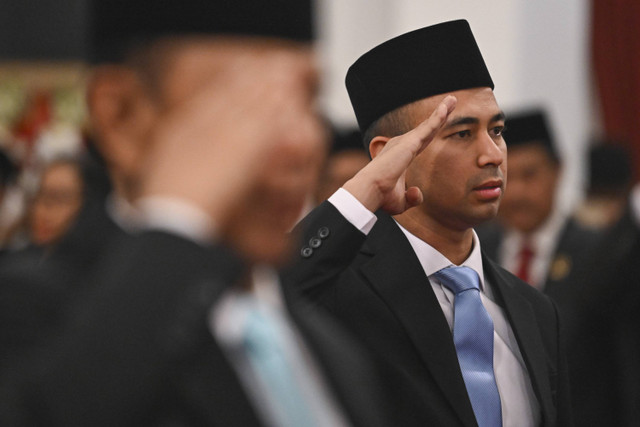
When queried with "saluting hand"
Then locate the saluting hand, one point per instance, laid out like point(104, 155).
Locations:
point(381, 184)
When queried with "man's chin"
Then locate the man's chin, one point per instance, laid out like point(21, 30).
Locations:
point(489, 212)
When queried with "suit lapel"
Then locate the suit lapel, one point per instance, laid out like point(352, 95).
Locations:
point(341, 363)
point(525, 327)
point(396, 274)
point(206, 386)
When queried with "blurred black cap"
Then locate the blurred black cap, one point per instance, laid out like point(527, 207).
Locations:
point(610, 168)
point(530, 127)
point(117, 25)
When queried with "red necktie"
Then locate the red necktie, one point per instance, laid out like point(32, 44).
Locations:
point(526, 255)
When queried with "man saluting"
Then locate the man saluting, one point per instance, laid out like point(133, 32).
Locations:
point(393, 253)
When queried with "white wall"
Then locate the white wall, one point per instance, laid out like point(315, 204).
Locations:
point(536, 52)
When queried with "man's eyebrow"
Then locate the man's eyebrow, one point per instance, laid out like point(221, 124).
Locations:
point(469, 120)
point(464, 120)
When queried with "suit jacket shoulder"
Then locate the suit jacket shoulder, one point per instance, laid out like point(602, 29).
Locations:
point(138, 350)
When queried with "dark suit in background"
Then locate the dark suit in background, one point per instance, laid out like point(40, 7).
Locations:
point(37, 291)
point(376, 286)
point(604, 349)
point(572, 252)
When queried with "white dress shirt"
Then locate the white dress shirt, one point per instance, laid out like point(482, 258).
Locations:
point(520, 407)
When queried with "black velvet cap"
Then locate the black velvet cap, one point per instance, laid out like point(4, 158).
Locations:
point(422, 63)
point(530, 127)
point(115, 26)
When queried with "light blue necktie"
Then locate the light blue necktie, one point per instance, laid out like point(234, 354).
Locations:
point(266, 354)
point(473, 338)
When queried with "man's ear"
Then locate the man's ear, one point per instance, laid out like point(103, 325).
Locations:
point(377, 144)
point(113, 94)
point(120, 111)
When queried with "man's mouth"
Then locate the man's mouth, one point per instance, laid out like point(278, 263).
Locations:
point(489, 190)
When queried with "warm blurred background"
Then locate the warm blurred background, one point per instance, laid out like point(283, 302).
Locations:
point(570, 58)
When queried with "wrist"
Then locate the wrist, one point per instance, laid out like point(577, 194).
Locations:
point(366, 193)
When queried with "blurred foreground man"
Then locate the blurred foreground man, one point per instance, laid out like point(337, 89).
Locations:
point(393, 253)
point(206, 117)
point(533, 238)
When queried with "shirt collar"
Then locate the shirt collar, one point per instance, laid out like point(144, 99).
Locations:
point(433, 261)
point(122, 212)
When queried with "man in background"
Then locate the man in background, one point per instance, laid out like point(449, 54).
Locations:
point(8, 174)
point(609, 185)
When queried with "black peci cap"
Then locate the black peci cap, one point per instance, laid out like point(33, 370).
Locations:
point(610, 168)
point(117, 25)
point(426, 62)
point(530, 127)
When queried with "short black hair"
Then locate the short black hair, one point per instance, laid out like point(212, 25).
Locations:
point(392, 124)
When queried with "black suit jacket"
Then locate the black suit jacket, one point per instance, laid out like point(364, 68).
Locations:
point(376, 286)
point(137, 350)
point(38, 288)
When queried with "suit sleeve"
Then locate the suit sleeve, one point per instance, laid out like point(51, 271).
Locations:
point(328, 244)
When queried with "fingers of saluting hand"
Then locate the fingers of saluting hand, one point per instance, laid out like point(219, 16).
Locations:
point(428, 128)
point(418, 138)
point(381, 183)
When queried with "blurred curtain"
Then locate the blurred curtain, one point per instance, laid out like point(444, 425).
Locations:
point(616, 61)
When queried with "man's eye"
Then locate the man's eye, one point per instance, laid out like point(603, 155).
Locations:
point(463, 134)
point(498, 130)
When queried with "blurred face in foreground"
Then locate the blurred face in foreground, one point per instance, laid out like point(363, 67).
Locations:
point(237, 131)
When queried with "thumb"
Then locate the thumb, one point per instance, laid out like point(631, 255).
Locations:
point(413, 196)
